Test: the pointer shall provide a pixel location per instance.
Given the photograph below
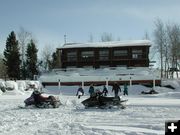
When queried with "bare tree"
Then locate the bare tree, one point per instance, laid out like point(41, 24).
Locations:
point(160, 41)
point(91, 38)
point(105, 37)
point(47, 56)
point(167, 40)
point(153, 49)
point(118, 39)
point(146, 36)
point(23, 37)
point(173, 31)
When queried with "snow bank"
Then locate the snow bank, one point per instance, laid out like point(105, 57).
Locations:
point(170, 95)
point(18, 87)
point(12, 88)
point(21, 85)
point(112, 74)
point(11, 85)
point(2, 83)
point(36, 84)
point(1, 92)
point(136, 89)
point(2, 86)
point(172, 82)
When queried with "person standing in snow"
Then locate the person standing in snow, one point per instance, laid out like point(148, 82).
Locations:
point(125, 92)
point(80, 92)
point(98, 92)
point(91, 90)
point(116, 89)
point(105, 91)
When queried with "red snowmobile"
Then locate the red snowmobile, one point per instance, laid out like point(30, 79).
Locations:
point(40, 101)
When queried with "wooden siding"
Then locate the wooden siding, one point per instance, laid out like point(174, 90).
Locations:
point(112, 61)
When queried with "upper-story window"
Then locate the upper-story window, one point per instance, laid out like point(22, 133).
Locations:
point(87, 54)
point(72, 56)
point(103, 54)
point(136, 53)
point(120, 53)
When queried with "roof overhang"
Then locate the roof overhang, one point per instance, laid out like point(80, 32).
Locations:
point(108, 44)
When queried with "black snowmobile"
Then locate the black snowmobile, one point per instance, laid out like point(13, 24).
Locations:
point(102, 102)
point(39, 101)
point(149, 92)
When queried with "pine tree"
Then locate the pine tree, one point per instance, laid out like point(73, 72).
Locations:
point(12, 57)
point(31, 60)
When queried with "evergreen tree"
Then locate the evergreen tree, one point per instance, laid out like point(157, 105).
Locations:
point(3, 73)
point(12, 57)
point(31, 60)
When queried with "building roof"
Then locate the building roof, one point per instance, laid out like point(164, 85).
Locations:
point(108, 44)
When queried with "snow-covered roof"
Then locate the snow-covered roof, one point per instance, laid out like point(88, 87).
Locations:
point(108, 44)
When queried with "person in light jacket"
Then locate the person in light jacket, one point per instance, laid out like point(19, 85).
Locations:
point(125, 92)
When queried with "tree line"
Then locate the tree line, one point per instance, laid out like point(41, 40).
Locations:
point(20, 60)
point(20, 57)
point(167, 45)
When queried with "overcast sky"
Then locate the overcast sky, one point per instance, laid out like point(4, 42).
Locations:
point(50, 20)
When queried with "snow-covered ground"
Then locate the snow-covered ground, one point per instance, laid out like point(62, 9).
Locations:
point(100, 75)
point(144, 114)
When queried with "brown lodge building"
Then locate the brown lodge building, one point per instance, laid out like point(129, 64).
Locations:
point(134, 53)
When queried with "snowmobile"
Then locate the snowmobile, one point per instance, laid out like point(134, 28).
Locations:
point(149, 92)
point(102, 102)
point(39, 101)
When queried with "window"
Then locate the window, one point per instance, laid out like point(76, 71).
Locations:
point(136, 54)
point(104, 66)
point(71, 67)
point(103, 54)
point(87, 54)
point(119, 53)
point(87, 67)
point(71, 56)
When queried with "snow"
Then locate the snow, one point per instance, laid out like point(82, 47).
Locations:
point(109, 44)
point(175, 83)
point(144, 114)
point(112, 74)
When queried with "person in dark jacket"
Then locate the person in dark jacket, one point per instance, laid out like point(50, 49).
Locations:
point(91, 90)
point(116, 89)
point(98, 92)
point(80, 92)
point(105, 91)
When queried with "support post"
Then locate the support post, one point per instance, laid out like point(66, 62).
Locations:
point(154, 83)
point(59, 84)
point(130, 83)
point(107, 82)
point(82, 84)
